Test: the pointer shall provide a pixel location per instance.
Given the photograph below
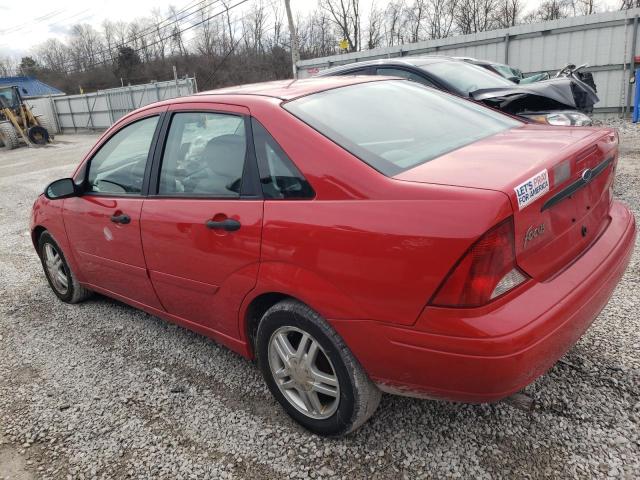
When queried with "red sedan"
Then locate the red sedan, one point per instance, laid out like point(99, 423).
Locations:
point(354, 235)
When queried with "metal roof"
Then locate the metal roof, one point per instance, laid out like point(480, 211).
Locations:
point(30, 87)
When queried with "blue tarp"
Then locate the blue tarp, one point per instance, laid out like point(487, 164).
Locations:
point(29, 86)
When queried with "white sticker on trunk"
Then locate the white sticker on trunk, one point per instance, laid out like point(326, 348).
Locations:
point(532, 189)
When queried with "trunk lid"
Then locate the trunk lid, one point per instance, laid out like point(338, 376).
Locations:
point(557, 179)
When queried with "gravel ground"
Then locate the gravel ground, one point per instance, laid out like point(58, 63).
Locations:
point(100, 390)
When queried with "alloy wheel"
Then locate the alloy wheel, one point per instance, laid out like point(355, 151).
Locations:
point(303, 372)
point(55, 268)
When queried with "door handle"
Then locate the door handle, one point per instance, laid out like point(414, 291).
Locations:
point(122, 218)
point(228, 224)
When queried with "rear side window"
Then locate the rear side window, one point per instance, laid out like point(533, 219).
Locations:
point(119, 165)
point(398, 72)
point(278, 175)
point(395, 125)
point(204, 155)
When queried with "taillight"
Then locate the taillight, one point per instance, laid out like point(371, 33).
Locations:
point(486, 271)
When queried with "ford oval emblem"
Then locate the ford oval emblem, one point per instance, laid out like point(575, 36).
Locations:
point(587, 175)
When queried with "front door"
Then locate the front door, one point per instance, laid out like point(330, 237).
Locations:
point(201, 230)
point(103, 224)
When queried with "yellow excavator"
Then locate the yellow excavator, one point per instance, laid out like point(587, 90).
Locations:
point(17, 122)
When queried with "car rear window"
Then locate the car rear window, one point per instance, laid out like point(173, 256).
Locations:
point(395, 125)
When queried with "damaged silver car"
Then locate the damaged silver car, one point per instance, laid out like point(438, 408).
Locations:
point(564, 100)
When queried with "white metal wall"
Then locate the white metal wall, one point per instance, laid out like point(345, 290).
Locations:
point(99, 110)
point(43, 107)
point(603, 41)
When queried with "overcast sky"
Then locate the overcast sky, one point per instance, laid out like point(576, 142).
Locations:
point(28, 23)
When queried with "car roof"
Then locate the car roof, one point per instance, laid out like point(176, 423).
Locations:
point(414, 61)
point(478, 61)
point(290, 89)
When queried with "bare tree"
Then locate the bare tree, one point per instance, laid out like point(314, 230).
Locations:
point(254, 24)
point(53, 55)
point(375, 35)
point(208, 35)
point(509, 12)
point(549, 10)
point(8, 66)
point(586, 7)
point(345, 14)
point(440, 17)
point(85, 46)
point(474, 16)
point(316, 37)
point(176, 41)
point(417, 14)
point(395, 22)
point(627, 4)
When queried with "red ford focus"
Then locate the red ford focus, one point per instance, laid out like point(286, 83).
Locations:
point(354, 235)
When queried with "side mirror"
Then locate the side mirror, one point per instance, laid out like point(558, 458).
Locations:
point(632, 79)
point(63, 188)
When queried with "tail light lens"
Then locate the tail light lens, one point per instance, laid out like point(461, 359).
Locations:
point(486, 271)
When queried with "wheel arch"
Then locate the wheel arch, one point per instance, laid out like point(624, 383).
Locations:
point(278, 281)
point(36, 232)
point(254, 312)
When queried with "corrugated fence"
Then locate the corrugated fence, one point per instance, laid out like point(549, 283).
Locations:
point(99, 110)
point(606, 42)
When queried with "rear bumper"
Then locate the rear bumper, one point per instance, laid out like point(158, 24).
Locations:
point(499, 351)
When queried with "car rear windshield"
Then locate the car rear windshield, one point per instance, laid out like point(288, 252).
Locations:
point(395, 125)
point(465, 78)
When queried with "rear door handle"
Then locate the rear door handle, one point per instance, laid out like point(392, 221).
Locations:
point(228, 224)
point(122, 218)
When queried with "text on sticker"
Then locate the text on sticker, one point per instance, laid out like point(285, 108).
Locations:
point(533, 188)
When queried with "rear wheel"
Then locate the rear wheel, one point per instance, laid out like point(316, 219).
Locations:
point(60, 277)
point(311, 372)
point(8, 136)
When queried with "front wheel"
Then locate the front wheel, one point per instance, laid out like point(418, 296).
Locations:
point(311, 372)
point(59, 275)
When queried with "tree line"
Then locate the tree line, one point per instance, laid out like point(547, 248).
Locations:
point(224, 43)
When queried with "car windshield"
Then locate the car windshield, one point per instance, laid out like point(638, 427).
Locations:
point(465, 78)
point(507, 71)
point(394, 125)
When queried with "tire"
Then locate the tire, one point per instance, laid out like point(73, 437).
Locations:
point(44, 123)
point(350, 398)
point(8, 136)
point(72, 292)
point(38, 135)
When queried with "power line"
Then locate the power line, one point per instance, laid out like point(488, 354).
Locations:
point(156, 28)
point(40, 19)
point(180, 32)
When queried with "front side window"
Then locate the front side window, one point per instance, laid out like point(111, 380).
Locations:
point(204, 155)
point(278, 175)
point(119, 165)
point(395, 125)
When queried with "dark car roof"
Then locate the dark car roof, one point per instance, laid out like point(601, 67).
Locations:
point(417, 61)
point(290, 89)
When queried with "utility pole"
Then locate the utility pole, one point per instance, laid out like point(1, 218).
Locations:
point(295, 52)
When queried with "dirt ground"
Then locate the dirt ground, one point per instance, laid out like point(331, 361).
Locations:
point(101, 390)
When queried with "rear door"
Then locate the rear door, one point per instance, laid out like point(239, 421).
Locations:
point(103, 224)
point(202, 222)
